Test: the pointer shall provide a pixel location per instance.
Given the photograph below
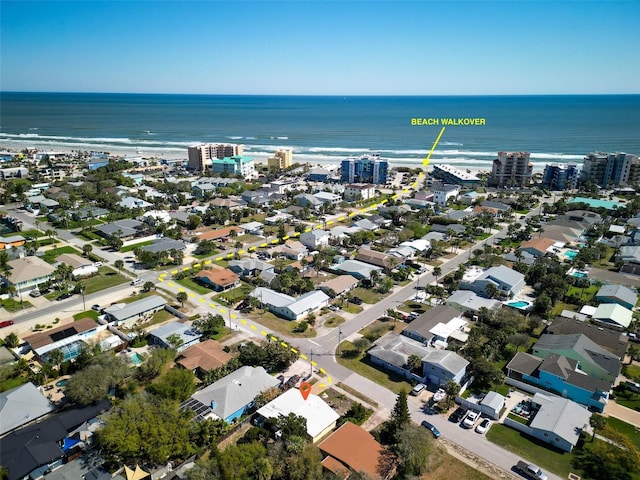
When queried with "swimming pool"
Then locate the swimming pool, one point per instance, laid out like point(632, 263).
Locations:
point(519, 304)
point(135, 359)
point(579, 274)
point(571, 254)
point(62, 383)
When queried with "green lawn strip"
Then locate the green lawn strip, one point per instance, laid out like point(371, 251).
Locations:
point(560, 306)
point(531, 449)
point(585, 295)
point(333, 321)
point(357, 394)
point(366, 295)
point(51, 255)
point(107, 278)
point(13, 382)
point(631, 371)
point(187, 282)
point(627, 429)
point(12, 305)
point(379, 328)
point(130, 248)
point(280, 325)
point(87, 314)
point(235, 295)
point(630, 401)
point(360, 364)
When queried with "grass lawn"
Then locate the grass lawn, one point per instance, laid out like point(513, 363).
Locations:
point(280, 325)
point(235, 295)
point(352, 308)
point(191, 284)
point(629, 399)
point(367, 296)
point(51, 255)
point(451, 467)
point(130, 248)
point(13, 382)
point(585, 296)
point(334, 321)
point(532, 450)
point(560, 306)
point(631, 431)
point(360, 363)
point(88, 314)
point(107, 278)
point(632, 371)
point(379, 328)
point(357, 394)
point(13, 305)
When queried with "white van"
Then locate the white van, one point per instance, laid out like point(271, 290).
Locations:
point(418, 388)
point(137, 281)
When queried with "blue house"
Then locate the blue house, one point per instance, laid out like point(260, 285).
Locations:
point(560, 375)
point(617, 294)
point(231, 396)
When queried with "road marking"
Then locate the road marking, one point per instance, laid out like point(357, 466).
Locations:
point(264, 244)
point(284, 344)
point(191, 294)
point(322, 371)
point(241, 252)
point(196, 265)
point(294, 351)
point(233, 316)
point(329, 222)
point(202, 300)
point(313, 342)
point(341, 218)
point(184, 269)
point(171, 284)
point(212, 305)
point(253, 327)
point(286, 237)
point(173, 272)
point(329, 380)
point(314, 363)
point(218, 259)
point(275, 339)
point(207, 262)
point(303, 356)
point(307, 230)
point(263, 333)
point(243, 321)
point(222, 310)
point(180, 289)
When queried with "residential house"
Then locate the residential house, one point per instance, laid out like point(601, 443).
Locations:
point(617, 294)
point(450, 229)
point(82, 267)
point(379, 259)
point(315, 239)
point(164, 245)
point(27, 273)
point(249, 267)
point(320, 417)
point(38, 448)
point(352, 449)
point(128, 314)
point(232, 396)
point(592, 358)
point(339, 285)
point(613, 314)
point(132, 202)
point(610, 339)
point(366, 224)
point(393, 351)
point(203, 357)
point(554, 420)
point(490, 405)
point(185, 334)
point(87, 213)
point(630, 258)
point(498, 209)
point(227, 203)
point(218, 279)
point(123, 229)
point(359, 191)
point(506, 281)
point(289, 307)
point(471, 197)
point(328, 198)
point(318, 175)
point(420, 328)
point(22, 405)
point(467, 301)
point(564, 231)
point(443, 192)
point(220, 234)
point(357, 269)
point(562, 376)
point(292, 249)
point(253, 228)
point(307, 200)
point(538, 247)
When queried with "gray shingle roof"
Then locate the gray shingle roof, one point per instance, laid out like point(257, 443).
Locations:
point(447, 360)
point(560, 416)
point(121, 313)
point(618, 291)
point(504, 274)
point(21, 405)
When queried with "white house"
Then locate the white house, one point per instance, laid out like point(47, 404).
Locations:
point(359, 191)
point(442, 193)
point(289, 307)
point(315, 239)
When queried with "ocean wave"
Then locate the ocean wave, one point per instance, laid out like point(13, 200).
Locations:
point(230, 137)
point(451, 144)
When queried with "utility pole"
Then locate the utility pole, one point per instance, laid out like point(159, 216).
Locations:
point(339, 340)
point(311, 362)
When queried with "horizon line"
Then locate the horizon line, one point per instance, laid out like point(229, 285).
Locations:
point(323, 95)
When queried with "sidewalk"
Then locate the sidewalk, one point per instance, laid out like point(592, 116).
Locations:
point(612, 409)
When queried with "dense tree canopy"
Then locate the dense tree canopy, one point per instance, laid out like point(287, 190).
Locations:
point(92, 383)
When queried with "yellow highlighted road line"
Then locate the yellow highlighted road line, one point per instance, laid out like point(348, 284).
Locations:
point(243, 321)
point(241, 252)
point(173, 272)
point(264, 244)
point(253, 327)
point(294, 350)
point(322, 385)
point(303, 356)
point(196, 265)
point(207, 262)
point(329, 380)
point(426, 160)
point(191, 294)
point(171, 284)
point(212, 305)
point(262, 332)
point(284, 344)
point(341, 218)
point(307, 230)
point(275, 339)
point(184, 269)
point(314, 363)
point(222, 310)
point(233, 316)
point(286, 237)
point(322, 371)
point(218, 259)
point(180, 289)
point(329, 222)
point(202, 300)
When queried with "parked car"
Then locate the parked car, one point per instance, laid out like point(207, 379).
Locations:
point(356, 300)
point(418, 388)
point(434, 430)
point(137, 281)
point(483, 426)
point(531, 471)
point(457, 415)
point(6, 323)
point(34, 293)
point(64, 296)
point(470, 420)
point(96, 307)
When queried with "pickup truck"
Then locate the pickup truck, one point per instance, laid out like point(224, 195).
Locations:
point(530, 471)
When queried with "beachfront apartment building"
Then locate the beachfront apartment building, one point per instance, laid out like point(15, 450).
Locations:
point(454, 176)
point(236, 165)
point(561, 176)
point(511, 169)
point(610, 169)
point(365, 169)
point(200, 156)
point(281, 159)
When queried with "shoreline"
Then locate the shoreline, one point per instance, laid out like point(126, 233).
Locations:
point(473, 166)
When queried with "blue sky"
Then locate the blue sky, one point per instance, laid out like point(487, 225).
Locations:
point(343, 48)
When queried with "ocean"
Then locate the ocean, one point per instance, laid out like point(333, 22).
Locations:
point(323, 130)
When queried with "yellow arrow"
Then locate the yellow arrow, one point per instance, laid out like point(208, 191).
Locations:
point(426, 160)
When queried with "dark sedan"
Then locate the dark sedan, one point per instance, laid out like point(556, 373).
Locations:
point(434, 430)
point(457, 415)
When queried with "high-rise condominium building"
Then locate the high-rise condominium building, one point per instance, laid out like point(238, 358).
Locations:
point(561, 176)
point(611, 169)
point(200, 156)
point(511, 169)
point(282, 158)
point(365, 169)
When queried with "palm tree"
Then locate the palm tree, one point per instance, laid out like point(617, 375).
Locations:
point(597, 422)
point(436, 273)
point(87, 249)
point(451, 388)
point(414, 362)
point(118, 264)
point(181, 297)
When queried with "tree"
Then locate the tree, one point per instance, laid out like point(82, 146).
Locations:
point(148, 286)
point(175, 341)
point(181, 297)
point(597, 422)
point(178, 384)
point(145, 429)
point(361, 344)
point(118, 264)
point(87, 249)
point(56, 357)
point(414, 362)
point(414, 450)
point(12, 340)
point(210, 326)
point(292, 425)
point(399, 418)
point(92, 383)
point(436, 272)
point(451, 388)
